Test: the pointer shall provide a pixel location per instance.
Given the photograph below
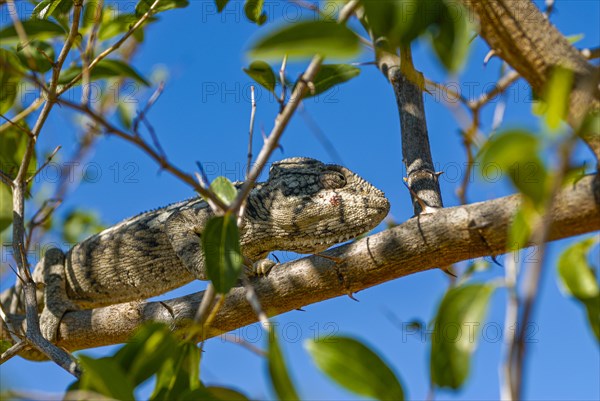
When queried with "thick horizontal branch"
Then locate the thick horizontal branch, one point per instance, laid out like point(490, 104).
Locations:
point(448, 236)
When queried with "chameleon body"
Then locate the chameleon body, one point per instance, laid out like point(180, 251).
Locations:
point(305, 206)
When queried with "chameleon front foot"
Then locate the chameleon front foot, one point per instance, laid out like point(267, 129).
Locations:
point(49, 322)
point(260, 268)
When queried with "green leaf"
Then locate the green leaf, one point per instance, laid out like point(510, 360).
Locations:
point(144, 5)
point(80, 224)
point(383, 17)
point(226, 394)
point(35, 29)
point(213, 393)
point(305, 39)
point(575, 38)
point(41, 53)
point(457, 323)
point(452, 36)
point(521, 226)
point(45, 8)
point(557, 96)
point(179, 374)
point(104, 69)
point(224, 189)
point(221, 244)
point(592, 306)
point(4, 346)
point(13, 143)
point(221, 4)
point(254, 11)
point(263, 74)
point(356, 367)
point(105, 376)
point(278, 372)
point(577, 278)
point(126, 112)
point(6, 216)
point(145, 353)
point(475, 266)
point(116, 26)
point(11, 71)
point(515, 152)
point(330, 75)
point(575, 273)
point(399, 22)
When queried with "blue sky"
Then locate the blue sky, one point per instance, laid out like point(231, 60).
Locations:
point(203, 116)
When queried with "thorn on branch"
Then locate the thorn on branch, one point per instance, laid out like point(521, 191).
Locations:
point(488, 57)
point(352, 297)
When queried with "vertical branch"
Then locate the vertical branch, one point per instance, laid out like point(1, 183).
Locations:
point(408, 87)
point(61, 357)
point(510, 320)
point(539, 239)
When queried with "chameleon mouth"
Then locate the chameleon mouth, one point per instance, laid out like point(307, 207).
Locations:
point(313, 245)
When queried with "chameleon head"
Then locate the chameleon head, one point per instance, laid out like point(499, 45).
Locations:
point(307, 206)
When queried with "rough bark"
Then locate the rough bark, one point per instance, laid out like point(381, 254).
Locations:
point(407, 84)
point(425, 242)
point(521, 34)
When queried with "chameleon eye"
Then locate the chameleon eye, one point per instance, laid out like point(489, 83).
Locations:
point(333, 180)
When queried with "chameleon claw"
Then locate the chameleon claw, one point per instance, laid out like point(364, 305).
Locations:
point(352, 297)
point(446, 269)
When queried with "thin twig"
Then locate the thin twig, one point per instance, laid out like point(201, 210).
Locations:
point(232, 338)
point(5, 178)
point(22, 34)
point(9, 326)
point(320, 135)
point(450, 95)
point(205, 305)
point(272, 141)
point(251, 129)
point(39, 219)
point(591, 54)
point(19, 127)
point(142, 114)
point(253, 300)
point(30, 109)
point(164, 164)
point(112, 48)
point(283, 83)
point(502, 84)
point(43, 166)
point(91, 43)
point(13, 351)
point(204, 183)
point(510, 326)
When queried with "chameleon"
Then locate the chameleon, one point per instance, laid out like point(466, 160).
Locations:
point(304, 206)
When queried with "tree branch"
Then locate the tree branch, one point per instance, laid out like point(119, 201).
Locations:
point(422, 243)
point(408, 84)
point(519, 33)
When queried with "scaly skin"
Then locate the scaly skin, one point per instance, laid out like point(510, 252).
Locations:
point(305, 206)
